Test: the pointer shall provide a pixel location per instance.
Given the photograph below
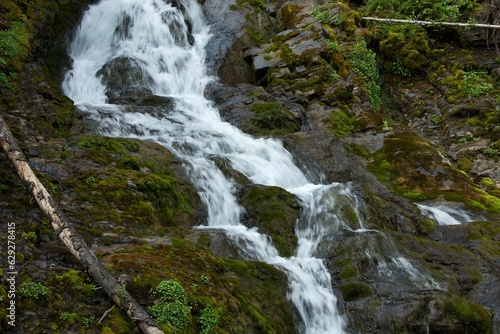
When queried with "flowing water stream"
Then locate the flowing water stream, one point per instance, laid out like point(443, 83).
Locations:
point(157, 48)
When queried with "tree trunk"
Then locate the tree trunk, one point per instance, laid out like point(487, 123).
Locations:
point(71, 238)
point(450, 24)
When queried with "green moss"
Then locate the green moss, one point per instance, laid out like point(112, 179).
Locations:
point(348, 273)
point(381, 167)
point(275, 211)
point(473, 318)
point(119, 322)
point(341, 123)
point(355, 290)
point(405, 47)
point(416, 196)
point(250, 296)
point(271, 118)
point(107, 144)
point(415, 170)
point(163, 193)
point(130, 162)
point(357, 149)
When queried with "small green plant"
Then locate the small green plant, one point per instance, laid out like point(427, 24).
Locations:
point(87, 321)
point(333, 45)
point(171, 308)
point(90, 181)
point(365, 64)
point(475, 83)
point(323, 15)
point(490, 152)
point(32, 290)
point(209, 319)
point(398, 68)
point(30, 236)
point(204, 279)
point(462, 140)
point(122, 293)
point(435, 119)
point(69, 318)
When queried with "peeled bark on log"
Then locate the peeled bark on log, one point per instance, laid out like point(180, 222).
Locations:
point(71, 238)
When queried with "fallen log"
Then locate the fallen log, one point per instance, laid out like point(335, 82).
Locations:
point(424, 23)
point(71, 238)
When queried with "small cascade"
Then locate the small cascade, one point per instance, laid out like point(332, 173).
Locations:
point(445, 215)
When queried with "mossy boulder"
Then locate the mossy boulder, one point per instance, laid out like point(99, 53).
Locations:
point(270, 118)
point(415, 169)
point(125, 79)
point(275, 212)
point(249, 296)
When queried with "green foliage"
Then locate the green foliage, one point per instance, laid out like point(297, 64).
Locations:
point(14, 42)
point(171, 308)
point(333, 45)
point(171, 291)
point(365, 64)
point(69, 318)
point(323, 14)
point(399, 69)
point(32, 290)
point(490, 152)
point(426, 10)
point(14, 49)
point(209, 319)
point(475, 83)
point(87, 321)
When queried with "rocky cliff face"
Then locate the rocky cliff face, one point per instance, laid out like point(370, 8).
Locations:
point(406, 114)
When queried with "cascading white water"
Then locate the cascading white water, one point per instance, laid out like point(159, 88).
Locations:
point(445, 215)
point(153, 37)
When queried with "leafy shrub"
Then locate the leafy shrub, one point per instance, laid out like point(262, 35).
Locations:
point(209, 320)
point(171, 291)
point(32, 290)
point(323, 14)
point(14, 43)
point(171, 308)
point(365, 64)
point(475, 83)
point(426, 10)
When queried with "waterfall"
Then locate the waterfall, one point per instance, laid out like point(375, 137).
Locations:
point(157, 48)
point(445, 215)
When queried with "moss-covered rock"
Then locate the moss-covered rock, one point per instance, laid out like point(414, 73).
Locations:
point(275, 212)
point(414, 169)
point(249, 296)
